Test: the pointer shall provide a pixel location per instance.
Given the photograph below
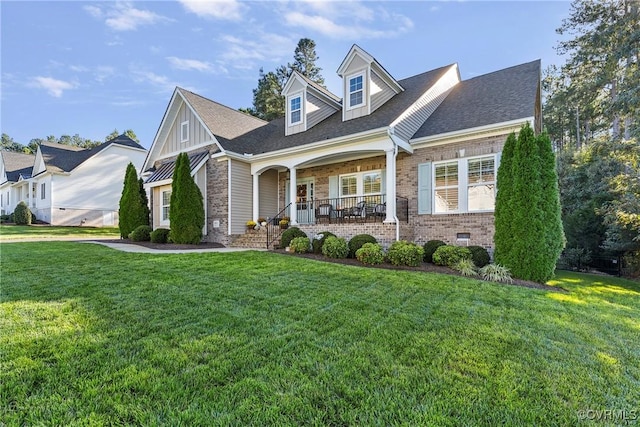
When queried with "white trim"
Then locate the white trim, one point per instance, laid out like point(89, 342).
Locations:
point(300, 109)
point(184, 126)
point(359, 183)
point(294, 76)
point(228, 196)
point(157, 183)
point(364, 103)
point(191, 149)
point(162, 220)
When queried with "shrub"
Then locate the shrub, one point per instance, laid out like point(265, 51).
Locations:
point(142, 233)
point(300, 245)
point(289, 235)
point(22, 214)
point(405, 253)
point(6, 218)
point(449, 255)
point(160, 235)
point(370, 253)
point(577, 258)
point(357, 241)
point(319, 239)
point(335, 247)
point(430, 247)
point(466, 267)
point(186, 208)
point(133, 205)
point(479, 255)
point(496, 273)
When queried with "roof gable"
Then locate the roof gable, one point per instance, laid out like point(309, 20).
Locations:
point(356, 53)
point(15, 165)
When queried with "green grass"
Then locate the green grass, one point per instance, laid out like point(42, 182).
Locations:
point(93, 336)
point(19, 232)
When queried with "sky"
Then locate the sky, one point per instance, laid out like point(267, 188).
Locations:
point(87, 68)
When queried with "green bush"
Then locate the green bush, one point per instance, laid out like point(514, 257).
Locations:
point(370, 253)
point(160, 235)
point(357, 241)
point(405, 253)
point(289, 234)
point(479, 255)
point(300, 245)
point(335, 247)
point(496, 273)
point(133, 205)
point(319, 239)
point(6, 218)
point(466, 267)
point(22, 214)
point(186, 208)
point(449, 255)
point(430, 247)
point(142, 233)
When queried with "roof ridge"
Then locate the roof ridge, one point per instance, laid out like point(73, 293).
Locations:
point(222, 105)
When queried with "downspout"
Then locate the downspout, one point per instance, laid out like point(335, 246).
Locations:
point(392, 137)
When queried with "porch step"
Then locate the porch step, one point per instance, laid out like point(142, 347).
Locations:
point(251, 239)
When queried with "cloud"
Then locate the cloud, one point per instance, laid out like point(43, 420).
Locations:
point(259, 47)
point(53, 86)
point(347, 20)
point(123, 16)
point(194, 64)
point(230, 10)
point(162, 83)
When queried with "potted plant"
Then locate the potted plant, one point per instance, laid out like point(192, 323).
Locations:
point(262, 221)
point(284, 223)
point(251, 224)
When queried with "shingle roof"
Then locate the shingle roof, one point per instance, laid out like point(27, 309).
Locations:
point(16, 164)
point(65, 158)
point(165, 170)
point(271, 136)
point(501, 96)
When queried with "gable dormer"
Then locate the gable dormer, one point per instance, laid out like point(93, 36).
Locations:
point(306, 104)
point(366, 85)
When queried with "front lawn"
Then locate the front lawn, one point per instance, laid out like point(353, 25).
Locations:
point(93, 336)
point(19, 232)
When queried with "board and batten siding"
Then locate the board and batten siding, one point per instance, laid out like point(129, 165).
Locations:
point(380, 91)
point(317, 110)
point(411, 120)
point(197, 133)
point(240, 196)
point(268, 194)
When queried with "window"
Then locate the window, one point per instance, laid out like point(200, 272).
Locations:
point(166, 201)
point(372, 182)
point(295, 110)
point(349, 185)
point(356, 91)
point(184, 131)
point(482, 184)
point(446, 187)
point(1, 199)
point(43, 191)
point(362, 184)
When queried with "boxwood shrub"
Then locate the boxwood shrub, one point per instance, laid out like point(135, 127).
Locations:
point(22, 214)
point(405, 253)
point(300, 245)
point(141, 233)
point(430, 247)
point(160, 235)
point(479, 255)
point(449, 255)
point(335, 247)
point(370, 253)
point(357, 241)
point(319, 239)
point(289, 234)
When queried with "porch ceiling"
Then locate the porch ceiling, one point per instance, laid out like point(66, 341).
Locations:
point(341, 157)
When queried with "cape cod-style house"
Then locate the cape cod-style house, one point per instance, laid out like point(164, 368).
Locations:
point(413, 159)
point(68, 185)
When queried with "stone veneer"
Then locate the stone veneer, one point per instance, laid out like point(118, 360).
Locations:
point(218, 202)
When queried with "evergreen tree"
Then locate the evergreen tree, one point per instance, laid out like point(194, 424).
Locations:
point(186, 210)
point(133, 210)
point(145, 202)
point(304, 61)
point(503, 214)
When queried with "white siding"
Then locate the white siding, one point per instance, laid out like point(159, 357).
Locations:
point(197, 133)
point(268, 194)
point(241, 197)
point(380, 91)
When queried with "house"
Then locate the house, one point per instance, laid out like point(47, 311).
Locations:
point(15, 169)
point(73, 186)
point(412, 159)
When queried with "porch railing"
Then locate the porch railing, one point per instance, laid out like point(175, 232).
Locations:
point(273, 225)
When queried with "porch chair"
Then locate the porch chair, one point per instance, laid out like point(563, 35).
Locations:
point(324, 210)
point(380, 210)
point(359, 211)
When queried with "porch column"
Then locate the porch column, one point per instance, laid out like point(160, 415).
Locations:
point(391, 186)
point(293, 191)
point(29, 195)
point(256, 196)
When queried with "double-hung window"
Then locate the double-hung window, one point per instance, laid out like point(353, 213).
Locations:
point(166, 201)
point(481, 184)
point(43, 191)
point(356, 90)
point(365, 185)
point(446, 187)
point(295, 110)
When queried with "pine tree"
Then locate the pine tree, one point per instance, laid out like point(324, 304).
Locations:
point(304, 61)
point(145, 202)
point(133, 210)
point(186, 209)
point(503, 213)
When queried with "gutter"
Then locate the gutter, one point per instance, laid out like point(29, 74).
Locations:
point(393, 138)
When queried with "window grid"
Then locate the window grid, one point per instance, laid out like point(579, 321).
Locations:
point(482, 184)
point(446, 187)
point(166, 201)
point(296, 110)
point(349, 185)
point(356, 91)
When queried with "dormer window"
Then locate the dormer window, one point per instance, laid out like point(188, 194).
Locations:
point(295, 110)
point(356, 91)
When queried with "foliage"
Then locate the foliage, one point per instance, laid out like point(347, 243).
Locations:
point(479, 256)
point(357, 241)
point(370, 254)
point(430, 247)
point(319, 239)
point(289, 234)
point(496, 273)
point(134, 211)
point(144, 201)
point(304, 61)
point(8, 144)
point(300, 245)
point(160, 235)
point(449, 255)
point(186, 209)
point(335, 247)
point(141, 233)
point(251, 223)
point(466, 267)
point(22, 214)
point(576, 258)
point(402, 252)
point(7, 218)
point(529, 235)
point(129, 132)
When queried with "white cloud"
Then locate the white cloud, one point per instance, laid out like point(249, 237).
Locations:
point(53, 86)
point(259, 47)
point(163, 83)
point(123, 16)
point(230, 10)
point(192, 64)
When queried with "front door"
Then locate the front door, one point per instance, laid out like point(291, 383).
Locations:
point(304, 200)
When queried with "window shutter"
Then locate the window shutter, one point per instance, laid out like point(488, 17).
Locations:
point(383, 177)
point(424, 188)
point(496, 167)
point(334, 192)
point(287, 198)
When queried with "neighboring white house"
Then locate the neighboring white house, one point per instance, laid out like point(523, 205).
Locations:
point(74, 186)
point(15, 170)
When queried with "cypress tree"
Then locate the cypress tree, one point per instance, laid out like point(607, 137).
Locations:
point(144, 200)
point(133, 210)
point(503, 213)
point(186, 210)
